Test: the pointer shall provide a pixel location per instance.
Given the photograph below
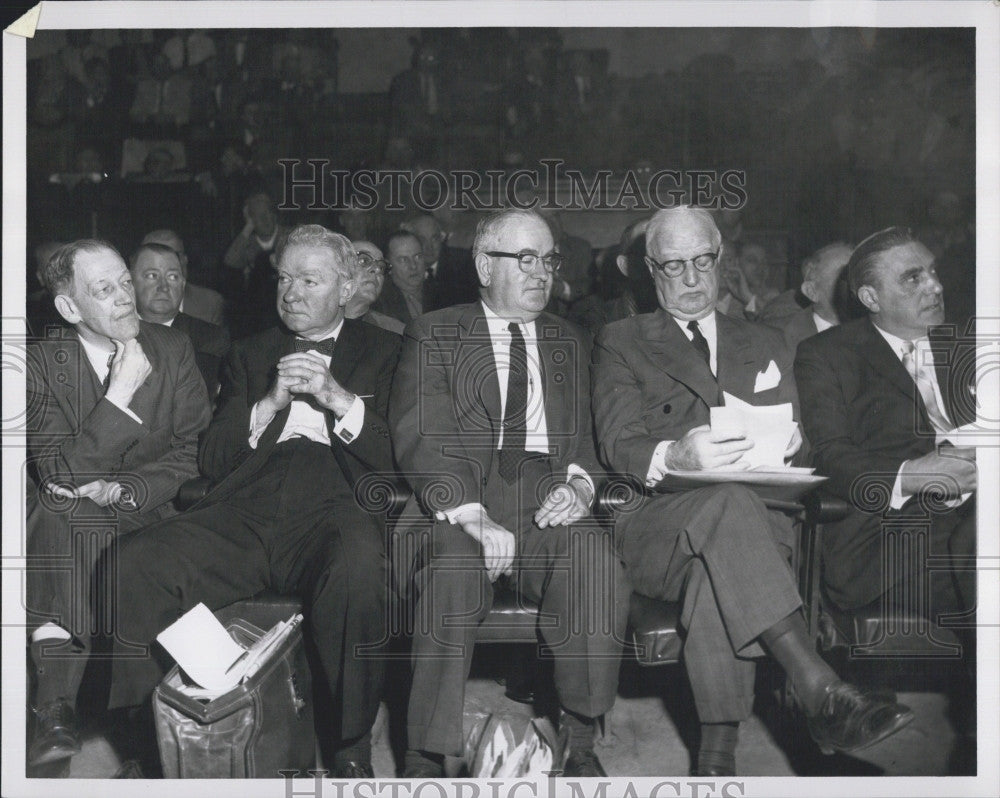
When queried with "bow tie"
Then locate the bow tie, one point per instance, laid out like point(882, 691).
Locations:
point(324, 347)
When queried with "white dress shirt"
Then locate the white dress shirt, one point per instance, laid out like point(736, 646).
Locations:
point(305, 420)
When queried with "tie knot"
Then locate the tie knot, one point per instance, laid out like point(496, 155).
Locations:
point(324, 347)
point(515, 329)
point(909, 348)
point(693, 326)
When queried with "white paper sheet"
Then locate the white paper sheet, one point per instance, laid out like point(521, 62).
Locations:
point(770, 427)
point(203, 648)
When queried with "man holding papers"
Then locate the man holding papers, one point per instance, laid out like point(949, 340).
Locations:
point(717, 549)
point(300, 420)
point(881, 402)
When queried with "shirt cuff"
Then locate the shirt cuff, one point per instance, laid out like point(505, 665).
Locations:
point(897, 499)
point(573, 470)
point(462, 513)
point(349, 426)
point(126, 411)
point(657, 465)
point(257, 425)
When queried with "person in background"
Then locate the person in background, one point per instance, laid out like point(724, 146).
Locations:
point(158, 279)
point(198, 301)
point(370, 281)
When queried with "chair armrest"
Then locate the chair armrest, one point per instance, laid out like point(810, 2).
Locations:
point(822, 508)
point(191, 492)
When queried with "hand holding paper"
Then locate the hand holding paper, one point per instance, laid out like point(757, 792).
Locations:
point(771, 428)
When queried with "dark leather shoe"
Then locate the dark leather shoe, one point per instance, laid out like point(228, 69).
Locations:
point(423, 770)
point(56, 736)
point(354, 770)
point(714, 772)
point(583, 765)
point(850, 720)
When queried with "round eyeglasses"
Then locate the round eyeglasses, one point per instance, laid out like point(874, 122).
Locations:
point(526, 260)
point(373, 264)
point(675, 268)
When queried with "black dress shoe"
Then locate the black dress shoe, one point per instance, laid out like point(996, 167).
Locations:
point(713, 772)
point(850, 720)
point(354, 770)
point(583, 765)
point(56, 736)
point(423, 770)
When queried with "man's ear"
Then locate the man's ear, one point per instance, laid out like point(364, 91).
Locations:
point(483, 271)
point(621, 261)
point(809, 290)
point(868, 297)
point(347, 289)
point(67, 308)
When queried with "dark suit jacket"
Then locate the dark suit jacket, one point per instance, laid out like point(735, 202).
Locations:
point(455, 282)
point(363, 362)
point(391, 302)
point(797, 327)
point(864, 416)
point(651, 385)
point(76, 435)
point(204, 303)
point(445, 409)
point(211, 344)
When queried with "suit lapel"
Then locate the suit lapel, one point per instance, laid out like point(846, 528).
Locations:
point(553, 361)
point(476, 364)
point(876, 350)
point(672, 352)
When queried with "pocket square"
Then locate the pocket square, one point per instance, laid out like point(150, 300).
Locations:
point(768, 378)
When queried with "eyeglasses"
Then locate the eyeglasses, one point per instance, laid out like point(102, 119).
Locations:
point(374, 265)
point(526, 260)
point(674, 268)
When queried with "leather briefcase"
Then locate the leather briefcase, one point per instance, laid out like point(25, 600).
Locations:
point(261, 727)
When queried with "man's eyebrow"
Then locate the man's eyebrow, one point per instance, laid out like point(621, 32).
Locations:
point(910, 273)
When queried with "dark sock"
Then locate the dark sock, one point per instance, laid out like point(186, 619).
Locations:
point(789, 643)
point(718, 746)
point(581, 731)
point(357, 750)
point(58, 675)
point(422, 758)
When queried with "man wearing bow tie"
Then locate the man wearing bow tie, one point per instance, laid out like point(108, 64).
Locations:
point(491, 424)
point(718, 550)
point(115, 406)
point(301, 418)
point(882, 397)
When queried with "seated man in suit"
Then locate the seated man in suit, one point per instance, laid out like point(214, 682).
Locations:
point(117, 408)
point(198, 301)
point(494, 398)
point(405, 295)
point(718, 550)
point(451, 276)
point(881, 398)
point(819, 279)
point(159, 282)
point(300, 419)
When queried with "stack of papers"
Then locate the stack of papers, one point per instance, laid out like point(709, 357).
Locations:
point(210, 657)
point(770, 427)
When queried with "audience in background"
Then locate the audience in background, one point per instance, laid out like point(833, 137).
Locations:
point(371, 278)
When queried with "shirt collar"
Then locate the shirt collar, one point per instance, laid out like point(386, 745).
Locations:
point(497, 324)
point(706, 325)
point(98, 357)
point(334, 335)
point(899, 345)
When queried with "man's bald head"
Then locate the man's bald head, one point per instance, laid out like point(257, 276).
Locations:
point(681, 225)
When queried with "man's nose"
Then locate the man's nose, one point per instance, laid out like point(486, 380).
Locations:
point(934, 285)
point(690, 275)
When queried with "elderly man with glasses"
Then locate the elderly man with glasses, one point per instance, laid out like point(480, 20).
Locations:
point(718, 549)
point(371, 279)
point(491, 425)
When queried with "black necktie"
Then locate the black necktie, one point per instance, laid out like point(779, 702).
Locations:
point(514, 424)
point(107, 377)
point(324, 347)
point(699, 342)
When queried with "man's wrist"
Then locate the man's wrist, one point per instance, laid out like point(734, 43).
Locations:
point(582, 486)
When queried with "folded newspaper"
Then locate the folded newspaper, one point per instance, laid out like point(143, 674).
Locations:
point(211, 658)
